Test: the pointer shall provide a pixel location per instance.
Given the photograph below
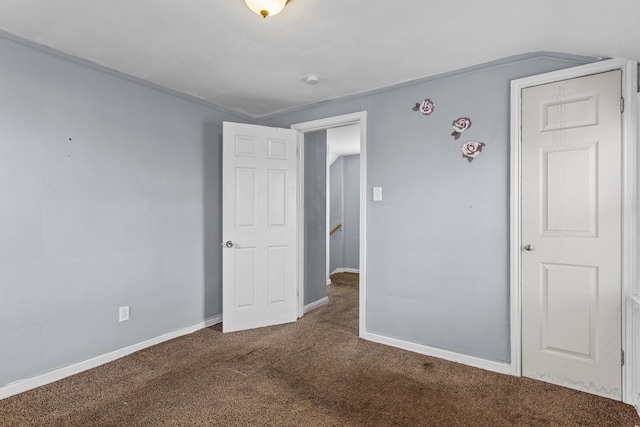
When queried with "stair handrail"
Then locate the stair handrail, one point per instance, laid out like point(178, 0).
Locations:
point(334, 229)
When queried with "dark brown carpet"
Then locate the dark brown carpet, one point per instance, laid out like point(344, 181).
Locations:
point(315, 372)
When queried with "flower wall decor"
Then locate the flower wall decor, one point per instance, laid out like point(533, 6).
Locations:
point(425, 107)
point(472, 149)
point(460, 125)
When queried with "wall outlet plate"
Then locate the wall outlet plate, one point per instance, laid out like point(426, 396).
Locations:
point(123, 313)
point(377, 194)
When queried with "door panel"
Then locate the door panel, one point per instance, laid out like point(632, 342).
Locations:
point(571, 233)
point(245, 280)
point(246, 194)
point(259, 220)
point(277, 203)
point(573, 290)
point(277, 274)
point(569, 186)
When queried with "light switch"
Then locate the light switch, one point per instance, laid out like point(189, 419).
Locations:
point(377, 194)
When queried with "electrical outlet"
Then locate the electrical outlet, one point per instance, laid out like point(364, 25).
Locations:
point(123, 313)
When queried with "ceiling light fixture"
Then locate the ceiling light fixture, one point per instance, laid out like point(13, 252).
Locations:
point(266, 7)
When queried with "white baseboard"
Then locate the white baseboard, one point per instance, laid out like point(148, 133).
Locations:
point(346, 270)
point(503, 368)
point(317, 304)
point(58, 374)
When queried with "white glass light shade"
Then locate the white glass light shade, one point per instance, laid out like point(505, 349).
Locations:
point(266, 7)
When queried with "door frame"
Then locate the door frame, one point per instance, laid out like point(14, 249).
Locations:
point(629, 172)
point(359, 118)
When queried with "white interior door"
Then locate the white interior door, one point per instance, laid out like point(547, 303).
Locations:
point(259, 226)
point(571, 233)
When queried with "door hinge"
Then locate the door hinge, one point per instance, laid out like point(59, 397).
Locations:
point(622, 357)
point(621, 105)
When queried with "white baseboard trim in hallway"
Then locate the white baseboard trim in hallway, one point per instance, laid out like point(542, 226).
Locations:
point(317, 304)
point(346, 270)
point(476, 362)
point(67, 371)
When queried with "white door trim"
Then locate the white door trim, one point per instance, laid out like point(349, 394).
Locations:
point(359, 118)
point(629, 203)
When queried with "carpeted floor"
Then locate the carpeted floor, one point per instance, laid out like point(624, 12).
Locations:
point(315, 372)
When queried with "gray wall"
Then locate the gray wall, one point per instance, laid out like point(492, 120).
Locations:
point(345, 210)
point(109, 196)
point(437, 245)
point(352, 212)
point(315, 212)
point(336, 209)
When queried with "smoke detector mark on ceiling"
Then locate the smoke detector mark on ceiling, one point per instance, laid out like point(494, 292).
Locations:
point(312, 79)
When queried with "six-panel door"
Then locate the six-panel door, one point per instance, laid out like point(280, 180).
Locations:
point(259, 226)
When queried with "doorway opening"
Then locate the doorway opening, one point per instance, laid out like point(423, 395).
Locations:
point(343, 204)
point(354, 119)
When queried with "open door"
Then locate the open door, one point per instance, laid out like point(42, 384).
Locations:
point(259, 226)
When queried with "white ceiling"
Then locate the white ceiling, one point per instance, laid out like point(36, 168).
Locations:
point(220, 51)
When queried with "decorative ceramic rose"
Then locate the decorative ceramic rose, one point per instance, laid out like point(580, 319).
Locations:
point(460, 125)
point(425, 107)
point(471, 150)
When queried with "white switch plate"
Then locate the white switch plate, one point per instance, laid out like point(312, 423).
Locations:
point(123, 313)
point(377, 194)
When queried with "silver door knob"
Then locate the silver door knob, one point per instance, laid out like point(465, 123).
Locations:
point(530, 248)
point(229, 244)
